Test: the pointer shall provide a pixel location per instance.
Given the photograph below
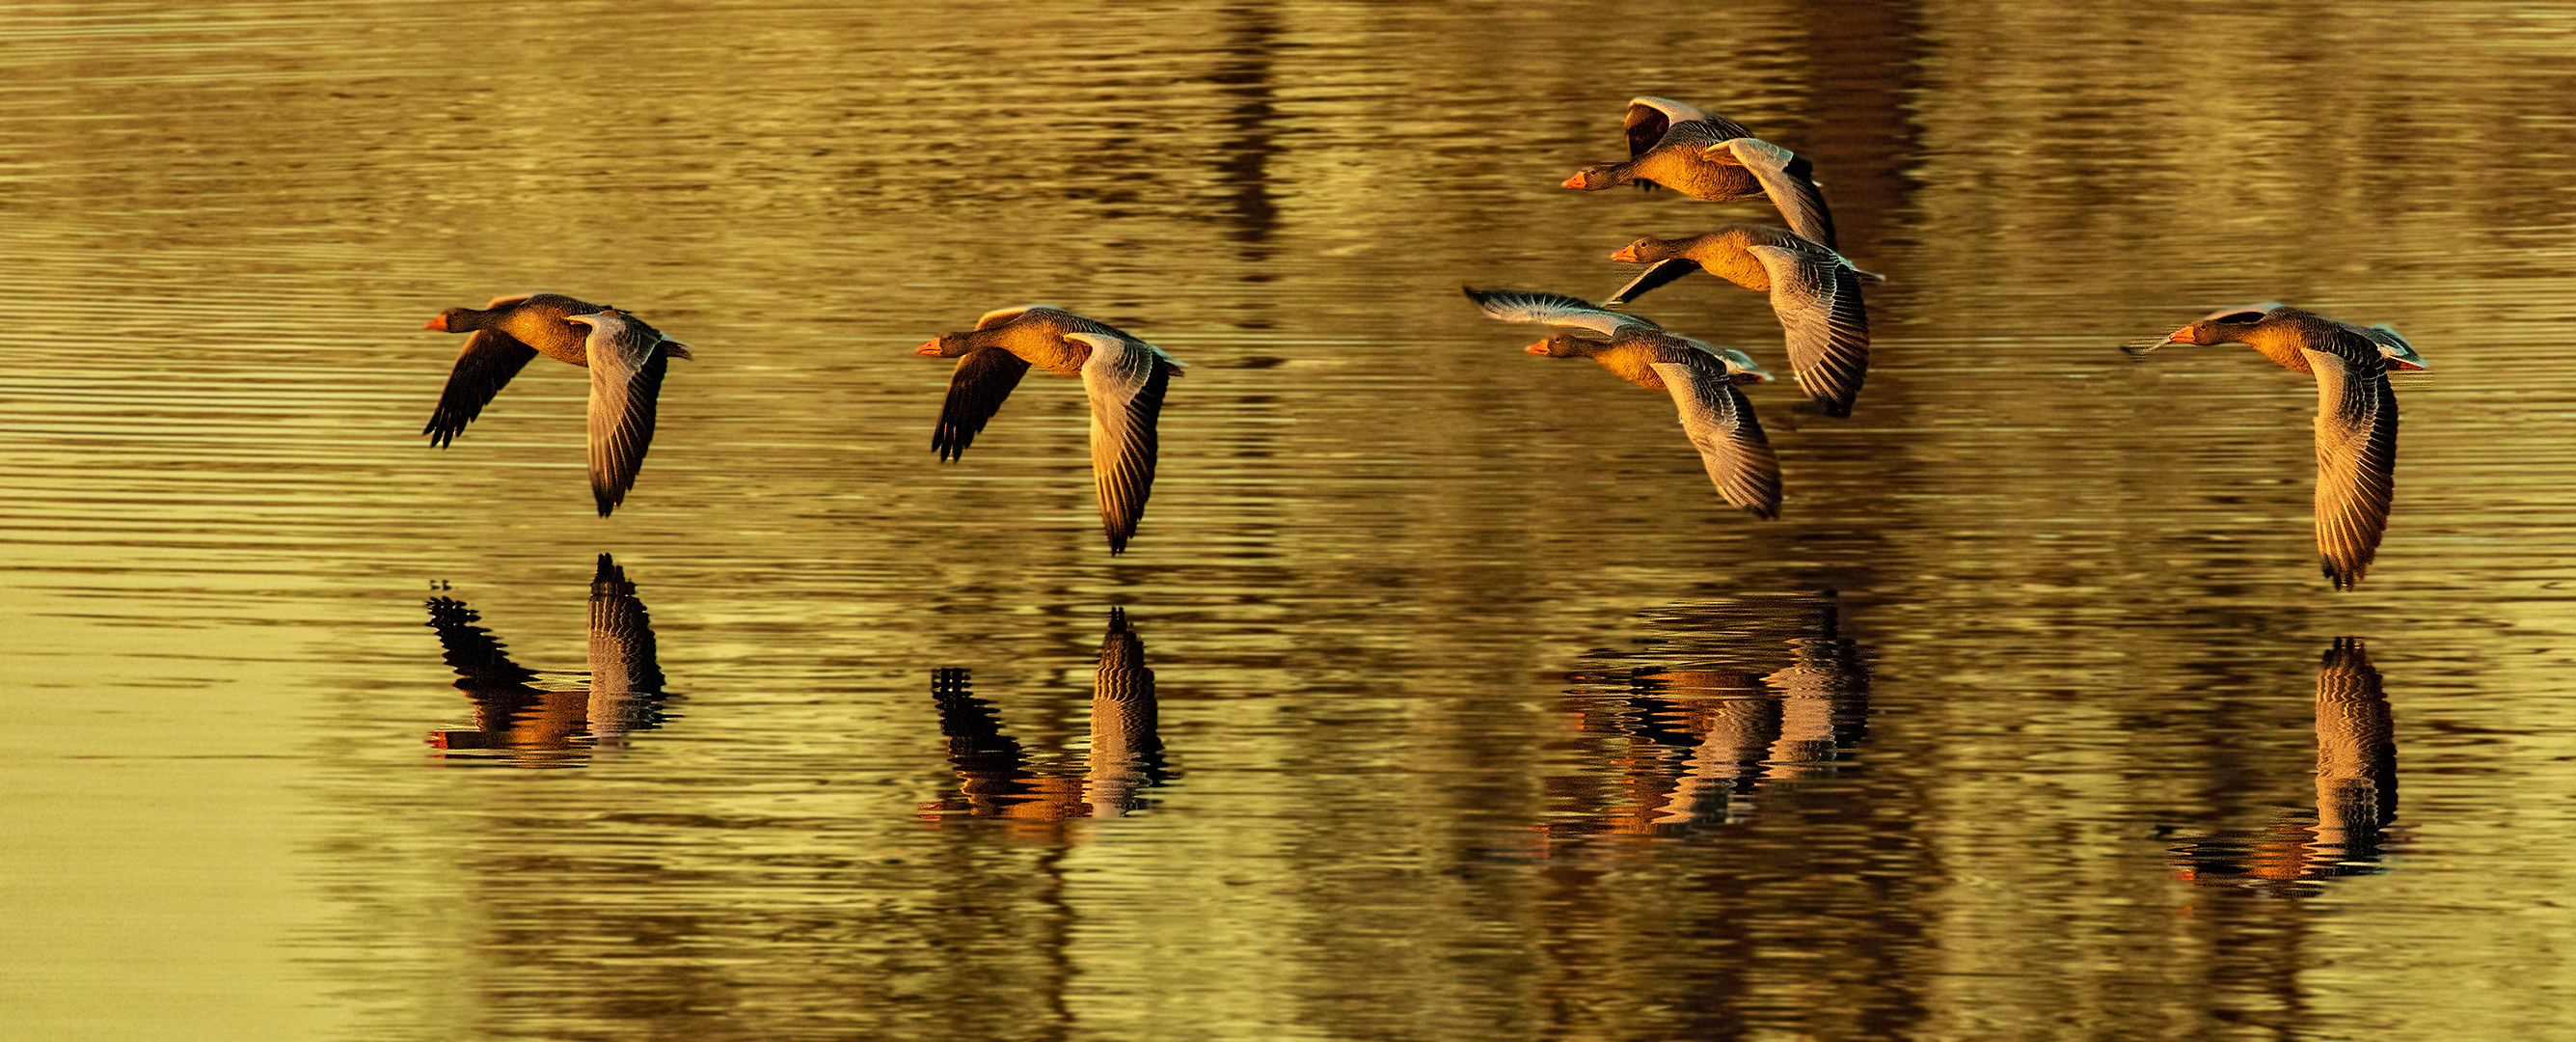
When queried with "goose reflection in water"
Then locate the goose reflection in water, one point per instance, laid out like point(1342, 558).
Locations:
point(1702, 725)
point(2356, 794)
point(995, 777)
point(517, 711)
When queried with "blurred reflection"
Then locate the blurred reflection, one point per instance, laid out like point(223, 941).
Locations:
point(1701, 725)
point(2356, 794)
point(518, 712)
point(996, 778)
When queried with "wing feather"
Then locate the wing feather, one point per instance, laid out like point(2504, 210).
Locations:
point(976, 390)
point(1817, 298)
point(626, 368)
point(2356, 463)
point(1125, 379)
point(485, 365)
point(1720, 423)
point(1789, 180)
point(1656, 274)
point(1555, 309)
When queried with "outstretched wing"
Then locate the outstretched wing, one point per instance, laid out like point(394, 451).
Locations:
point(1789, 180)
point(1817, 298)
point(1656, 274)
point(2356, 463)
point(490, 358)
point(1125, 379)
point(1649, 120)
point(1720, 423)
point(1555, 309)
point(983, 378)
point(626, 367)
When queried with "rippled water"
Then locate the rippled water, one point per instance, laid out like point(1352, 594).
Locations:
point(1438, 696)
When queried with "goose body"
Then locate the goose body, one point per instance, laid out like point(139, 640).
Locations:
point(1124, 378)
point(626, 359)
point(1700, 377)
point(1712, 157)
point(2356, 427)
point(1814, 291)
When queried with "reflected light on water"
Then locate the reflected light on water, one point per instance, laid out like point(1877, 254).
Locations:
point(1438, 698)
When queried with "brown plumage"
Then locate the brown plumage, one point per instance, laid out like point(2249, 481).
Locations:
point(1701, 378)
point(1815, 294)
point(625, 385)
point(1711, 157)
point(1124, 377)
point(2356, 425)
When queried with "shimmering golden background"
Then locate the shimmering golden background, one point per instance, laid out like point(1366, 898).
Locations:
point(1388, 563)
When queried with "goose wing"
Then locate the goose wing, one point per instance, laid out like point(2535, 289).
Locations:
point(1656, 274)
point(1788, 179)
point(1817, 298)
point(1554, 309)
point(1125, 379)
point(1649, 120)
point(983, 378)
point(1720, 423)
point(2356, 462)
point(485, 365)
point(627, 360)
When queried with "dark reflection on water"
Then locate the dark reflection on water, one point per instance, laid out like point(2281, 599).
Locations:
point(999, 778)
point(1711, 713)
point(2356, 795)
point(522, 721)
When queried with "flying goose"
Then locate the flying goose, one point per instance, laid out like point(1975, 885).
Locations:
point(1124, 377)
point(1814, 292)
point(624, 384)
point(1712, 157)
point(2356, 415)
point(1701, 378)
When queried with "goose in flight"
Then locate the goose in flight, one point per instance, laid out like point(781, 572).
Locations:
point(1125, 378)
point(1712, 157)
point(626, 359)
point(1701, 377)
point(1815, 293)
point(2356, 415)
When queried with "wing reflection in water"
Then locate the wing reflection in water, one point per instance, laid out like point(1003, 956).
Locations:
point(995, 776)
point(2356, 794)
point(1724, 699)
point(525, 717)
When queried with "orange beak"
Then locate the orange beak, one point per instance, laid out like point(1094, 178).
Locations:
point(439, 323)
point(1539, 348)
point(1575, 181)
point(1626, 253)
point(931, 349)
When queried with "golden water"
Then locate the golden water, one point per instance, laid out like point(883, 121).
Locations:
point(1474, 714)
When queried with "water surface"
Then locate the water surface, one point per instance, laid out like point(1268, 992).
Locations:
point(1443, 698)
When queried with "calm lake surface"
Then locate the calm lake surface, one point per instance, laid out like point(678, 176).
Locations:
point(1438, 696)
